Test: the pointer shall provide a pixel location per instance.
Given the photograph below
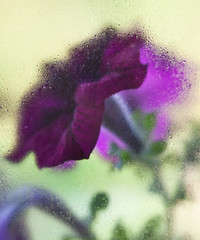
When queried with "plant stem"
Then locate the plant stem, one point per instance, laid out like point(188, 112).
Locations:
point(28, 196)
point(166, 199)
point(169, 217)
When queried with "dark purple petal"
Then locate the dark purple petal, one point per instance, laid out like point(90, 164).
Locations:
point(64, 139)
point(93, 94)
point(122, 53)
point(86, 127)
point(41, 109)
point(42, 106)
point(61, 118)
point(86, 59)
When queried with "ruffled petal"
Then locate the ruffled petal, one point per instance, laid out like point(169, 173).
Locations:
point(66, 138)
point(42, 106)
point(122, 52)
point(166, 81)
point(61, 119)
point(39, 109)
point(93, 94)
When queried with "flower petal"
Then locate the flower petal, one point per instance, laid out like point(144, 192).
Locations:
point(69, 165)
point(122, 52)
point(166, 81)
point(65, 139)
point(42, 106)
point(61, 119)
point(93, 94)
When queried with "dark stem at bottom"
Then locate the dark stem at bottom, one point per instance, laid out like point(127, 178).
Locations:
point(28, 196)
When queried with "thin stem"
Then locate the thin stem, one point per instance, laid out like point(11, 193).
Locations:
point(157, 176)
point(28, 196)
point(166, 199)
point(118, 119)
point(169, 217)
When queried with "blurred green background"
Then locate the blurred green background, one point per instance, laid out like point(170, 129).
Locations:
point(35, 31)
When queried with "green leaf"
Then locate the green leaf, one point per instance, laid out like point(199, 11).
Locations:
point(192, 146)
point(155, 187)
point(149, 122)
point(180, 194)
point(99, 202)
point(119, 232)
point(125, 156)
point(157, 148)
point(151, 230)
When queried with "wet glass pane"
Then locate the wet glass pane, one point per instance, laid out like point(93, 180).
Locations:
point(99, 120)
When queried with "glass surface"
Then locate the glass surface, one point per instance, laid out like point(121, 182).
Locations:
point(120, 192)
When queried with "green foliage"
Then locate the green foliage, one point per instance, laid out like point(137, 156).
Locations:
point(119, 232)
point(150, 159)
point(157, 148)
point(180, 193)
point(145, 121)
point(151, 230)
point(192, 147)
point(99, 202)
point(125, 156)
point(149, 122)
point(70, 238)
point(155, 186)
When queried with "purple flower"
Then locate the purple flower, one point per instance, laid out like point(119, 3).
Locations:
point(166, 82)
point(60, 119)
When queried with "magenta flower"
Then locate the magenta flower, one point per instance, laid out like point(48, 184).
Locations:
point(166, 82)
point(60, 119)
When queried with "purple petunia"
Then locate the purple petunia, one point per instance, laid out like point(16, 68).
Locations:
point(60, 119)
point(166, 82)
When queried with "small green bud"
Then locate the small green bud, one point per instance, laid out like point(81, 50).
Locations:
point(149, 122)
point(119, 232)
point(99, 202)
point(157, 148)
